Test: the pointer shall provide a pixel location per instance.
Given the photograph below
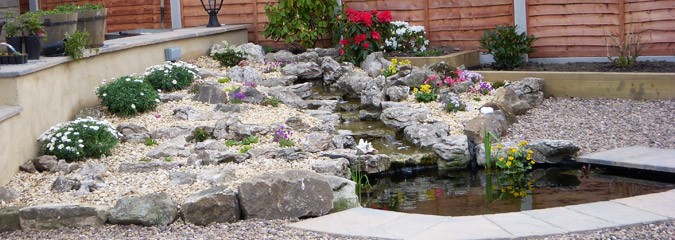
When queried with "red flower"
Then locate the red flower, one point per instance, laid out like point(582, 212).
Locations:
point(344, 42)
point(342, 51)
point(366, 18)
point(375, 35)
point(366, 45)
point(384, 16)
point(353, 15)
point(360, 38)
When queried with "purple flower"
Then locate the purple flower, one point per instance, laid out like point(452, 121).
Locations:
point(281, 134)
point(240, 96)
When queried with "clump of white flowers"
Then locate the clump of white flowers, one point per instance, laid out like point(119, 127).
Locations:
point(128, 96)
point(406, 38)
point(82, 138)
point(171, 76)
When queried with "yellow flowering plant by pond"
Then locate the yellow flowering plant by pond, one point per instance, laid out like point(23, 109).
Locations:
point(515, 159)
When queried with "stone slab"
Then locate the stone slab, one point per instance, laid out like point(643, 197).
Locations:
point(616, 213)
point(522, 225)
point(9, 219)
point(656, 203)
point(405, 227)
point(9, 111)
point(471, 227)
point(639, 157)
point(355, 221)
point(569, 220)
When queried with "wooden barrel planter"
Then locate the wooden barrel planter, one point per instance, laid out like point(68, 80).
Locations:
point(93, 22)
point(57, 25)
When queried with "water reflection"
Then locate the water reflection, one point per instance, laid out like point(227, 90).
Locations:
point(464, 193)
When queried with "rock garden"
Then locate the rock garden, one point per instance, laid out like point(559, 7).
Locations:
point(244, 134)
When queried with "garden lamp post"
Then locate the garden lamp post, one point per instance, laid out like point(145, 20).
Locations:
point(212, 8)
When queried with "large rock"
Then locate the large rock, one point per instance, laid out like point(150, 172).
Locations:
point(287, 195)
point(353, 83)
point(411, 78)
point(495, 122)
point(280, 56)
point(306, 57)
point(344, 193)
point(426, 135)
point(283, 80)
point(205, 73)
point(287, 96)
point(304, 70)
point(213, 152)
point(552, 151)
point(170, 132)
point(290, 154)
point(374, 63)
point(373, 95)
point(188, 113)
point(175, 147)
point(336, 167)
point(91, 177)
point(413, 160)
point(28, 167)
point(331, 70)
point(325, 52)
point(401, 117)
point(397, 93)
point(210, 92)
point(252, 94)
point(253, 52)
point(8, 194)
point(132, 132)
point(453, 152)
point(63, 184)
point(508, 97)
point(529, 90)
point(145, 167)
point(155, 209)
point(45, 163)
point(318, 141)
point(182, 178)
point(245, 74)
point(217, 177)
point(303, 90)
point(9, 219)
point(54, 216)
point(222, 128)
point(213, 205)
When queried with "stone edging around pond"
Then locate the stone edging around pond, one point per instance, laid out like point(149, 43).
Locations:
point(312, 194)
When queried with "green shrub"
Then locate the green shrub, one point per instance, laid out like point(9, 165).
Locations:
point(228, 56)
point(150, 142)
point(76, 43)
point(171, 76)
point(507, 46)
point(498, 84)
point(201, 135)
point(128, 96)
point(304, 21)
point(245, 149)
point(79, 139)
point(270, 101)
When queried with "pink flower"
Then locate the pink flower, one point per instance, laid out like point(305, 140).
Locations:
point(158, 116)
point(342, 51)
point(429, 79)
point(375, 35)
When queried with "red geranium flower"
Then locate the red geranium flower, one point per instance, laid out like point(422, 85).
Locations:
point(366, 18)
point(342, 51)
point(360, 38)
point(384, 16)
point(344, 42)
point(366, 45)
point(375, 35)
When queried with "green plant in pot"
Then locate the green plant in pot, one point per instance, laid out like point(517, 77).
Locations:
point(33, 33)
point(13, 33)
point(58, 22)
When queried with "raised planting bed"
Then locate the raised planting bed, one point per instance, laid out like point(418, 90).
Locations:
point(466, 58)
point(637, 86)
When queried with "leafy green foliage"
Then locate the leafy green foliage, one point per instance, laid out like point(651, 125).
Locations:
point(245, 149)
point(454, 104)
point(425, 93)
point(224, 80)
point(79, 139)
point(31, 25)
point(228, 56)
point(144, 159)
point(128, 96)
point(270, 101)
point(300, 20)
point(76, 43)
point(507, 46)
point(246, 141)
point(171, 76)
point(498, 84)
point(150, 142)
point(201, 135)
point(12, 25)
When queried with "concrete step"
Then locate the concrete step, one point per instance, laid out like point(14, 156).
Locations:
point(639, 157)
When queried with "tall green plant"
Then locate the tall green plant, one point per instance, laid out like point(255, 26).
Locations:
point(12, 25)
point(507, 46)
point(300, 20)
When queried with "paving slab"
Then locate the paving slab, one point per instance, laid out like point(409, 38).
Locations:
point(570, 221)
point(639, 157)
point(656, 203)
point(355, 221)
point(616, 213)
point(522, 225)
point(406, 226)
point(471, 227)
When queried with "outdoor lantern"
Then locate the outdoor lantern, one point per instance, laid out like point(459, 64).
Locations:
point(212, 8)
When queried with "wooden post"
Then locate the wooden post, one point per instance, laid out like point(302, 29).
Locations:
point(622, 20)
point(426, 18)
point(255, 21)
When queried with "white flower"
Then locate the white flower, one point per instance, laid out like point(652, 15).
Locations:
point(365, 147)
point(128, 79)
point(105, 94)
point(133, 106)
point(81, 145)
point(174, 82)
point(60, 146)
point(156, 100)
point(142, 94)
point(486, 110)
point(80, 141)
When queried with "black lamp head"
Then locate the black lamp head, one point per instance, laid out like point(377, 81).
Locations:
point(212, 7)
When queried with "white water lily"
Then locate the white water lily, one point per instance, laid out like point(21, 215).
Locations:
point(365, 147)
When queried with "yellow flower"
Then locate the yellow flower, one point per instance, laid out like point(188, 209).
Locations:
point(515, 194)
point(514, 150)
point(523, 193)
point(531, 162)
point(415, 90)
point(492, 148)
point(502, 190)
point(511, 158)
point(499, 146)
point(522, 143)
point(530, 151)
point(394, 61)
point(529, 157)
point(508, 163)
point(425, 88)
point(501, 159)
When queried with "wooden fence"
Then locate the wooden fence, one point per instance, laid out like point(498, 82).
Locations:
point(566, 28)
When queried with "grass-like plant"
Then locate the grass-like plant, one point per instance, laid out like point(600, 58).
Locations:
point(627, 48)
point(150, 142)
point(171, 76)
point(82, 138)
point(244, 142)
point(245, 149)
point(455, 104)
point(270, 101)
point(128, 96)
point(358, 176)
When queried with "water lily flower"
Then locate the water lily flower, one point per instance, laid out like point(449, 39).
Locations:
point(365, 147)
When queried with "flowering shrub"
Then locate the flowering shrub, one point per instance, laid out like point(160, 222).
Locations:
point(283, 137)
point(228, 56)
point(171, 76)
point(406, 38)
point(303, 21)
point(455, 104)
point(362, 33)
point(393, 67)
point(516, 159)
point(482, 87)
point(127, 96)
point(82, 138)
point(425, 93)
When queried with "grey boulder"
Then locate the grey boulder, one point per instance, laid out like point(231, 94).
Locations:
point(54, 216)
point(213, 205)
point(155, 209)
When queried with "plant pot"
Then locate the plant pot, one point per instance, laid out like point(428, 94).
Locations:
point(94, 23)
point(33, 46)
point(14, 59)
point(16, 42)
point(58, 25)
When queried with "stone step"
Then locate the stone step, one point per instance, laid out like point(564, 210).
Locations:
point(638, 157)
point(7, 112)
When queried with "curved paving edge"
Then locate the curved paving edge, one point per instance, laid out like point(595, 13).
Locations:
point(365, 222)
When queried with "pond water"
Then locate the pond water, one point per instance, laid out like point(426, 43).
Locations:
point(462, 193)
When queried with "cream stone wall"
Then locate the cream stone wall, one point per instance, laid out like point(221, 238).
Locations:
point(55, 94)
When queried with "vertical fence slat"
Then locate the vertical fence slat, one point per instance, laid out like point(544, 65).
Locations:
point(255, 21)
